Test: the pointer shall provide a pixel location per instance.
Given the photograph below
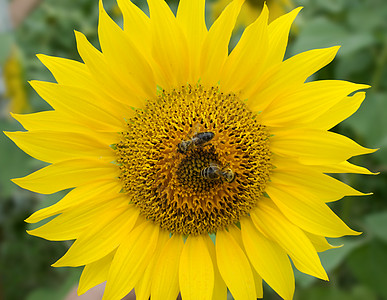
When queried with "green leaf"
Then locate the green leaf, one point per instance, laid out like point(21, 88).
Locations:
point(354, 64)
point(372, 13)
point(13, 160)
point(331, 259)
point(377, 224)
point(327, 290)
point(369, 264)
point(46, 201)
point(370, 123)
point(322, 32)
point(333, 6)
point(323, 293)
point(60, 291)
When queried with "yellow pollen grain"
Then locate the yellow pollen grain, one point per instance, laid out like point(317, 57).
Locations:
point(168, 186)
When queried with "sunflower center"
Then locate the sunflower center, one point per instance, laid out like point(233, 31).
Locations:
point(194, 160)
point(193, 170)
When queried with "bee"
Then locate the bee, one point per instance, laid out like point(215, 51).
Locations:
point(214, 171)
point(228, 174)
point(198, 139)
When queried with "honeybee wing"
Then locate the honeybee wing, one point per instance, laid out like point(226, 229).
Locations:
point(216, 167)
point(194, 130)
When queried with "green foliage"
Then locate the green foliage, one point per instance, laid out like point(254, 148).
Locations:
point(330, 259)
point(324, 292)
point(369, 264)
point(14, 161)
point(6, 41)
point(59, 289)
point(376, 224)
point(371, 124)
point(321, 33)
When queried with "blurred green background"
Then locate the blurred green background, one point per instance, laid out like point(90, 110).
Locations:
point(357, 271)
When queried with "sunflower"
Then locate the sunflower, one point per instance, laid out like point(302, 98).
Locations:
point(191, 170)
point(251, 9)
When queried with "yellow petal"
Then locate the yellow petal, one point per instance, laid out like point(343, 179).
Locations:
point(95, 273)
point(47, 119)
point(78, 103)
point(136, 25)
point(309, 214)
point(131, 260)
point(67, 71)
point(196, 272)
point(268, 259)
point(215, 46)
point(236, 272)
point(278, 36)
point(241, 65)
point(190, 16)
point(62, 123)
point(124, 58)
point(143, 287)
point(298, 68)
point(220, 288)
point(67, 174)
point(319, 186)
point(308, 103)
point(72, 73)
point(287, 76)
point(92, 194)
point(339, 112)
point(309, 182)
point(71, 224)
point(51, 146)
point(258, 284)
point(108, 81)
point(165, 281)
point(315, 147)
point(169, 44)
point(237, 235)
point(102, 237)
point(290, 238)
point(138, 29)
point(343, 167)
point(319, 242)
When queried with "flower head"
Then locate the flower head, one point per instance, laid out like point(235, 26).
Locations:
point(192, 170)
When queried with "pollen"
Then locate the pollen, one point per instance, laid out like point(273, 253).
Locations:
point(174, 188)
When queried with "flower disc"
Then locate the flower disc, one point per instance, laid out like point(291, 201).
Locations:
point(169, 187)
